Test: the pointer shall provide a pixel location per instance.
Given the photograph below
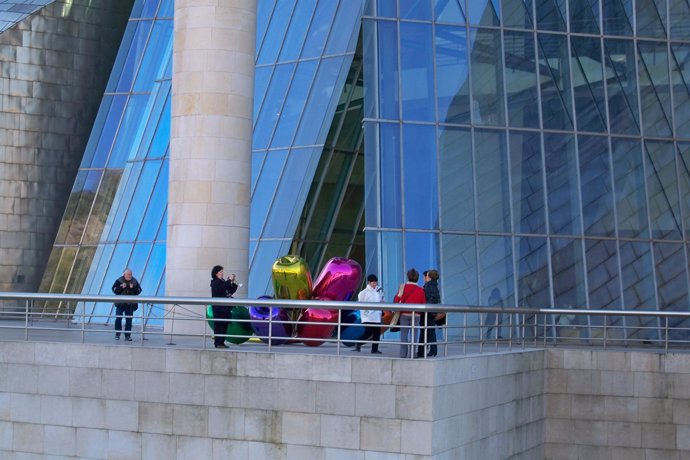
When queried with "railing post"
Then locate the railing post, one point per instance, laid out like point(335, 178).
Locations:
point(270, 328)
point(605, 329)
point(666, 334)
point(83, 324)
point(337, 344)
point(464, 332)
point(26, 319)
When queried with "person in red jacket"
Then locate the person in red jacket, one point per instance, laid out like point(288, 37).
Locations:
point(409, 292)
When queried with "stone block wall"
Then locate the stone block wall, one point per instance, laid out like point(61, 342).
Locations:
point(54, 66)
point(128, 402)
point(617, 405)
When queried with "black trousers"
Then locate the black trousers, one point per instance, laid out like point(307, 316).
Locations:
point(220, 327)
point(128, 312)
point(373, 332)
point(428, 330)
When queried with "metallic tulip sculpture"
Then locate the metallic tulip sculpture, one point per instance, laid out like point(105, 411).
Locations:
point(270, 322)
point(242, 330)
point(339, 280)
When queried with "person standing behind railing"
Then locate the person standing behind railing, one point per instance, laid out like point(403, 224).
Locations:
point(371, 319)
point(221, 287)
point(125, 285)
point(428, 320)
point(409, 292)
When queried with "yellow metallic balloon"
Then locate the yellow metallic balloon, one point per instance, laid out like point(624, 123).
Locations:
point(292, 281)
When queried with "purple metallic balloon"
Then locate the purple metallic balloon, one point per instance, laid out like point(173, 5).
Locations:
point(279, 331)
point(308, 332)
point(339, 280)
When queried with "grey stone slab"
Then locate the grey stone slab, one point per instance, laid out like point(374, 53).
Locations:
point(122, 415)
point(25, 408)
point(190, 420)
point(85, 382)
point(263, 425)
point(92, 443)
point(124, 444)
point(375, 400)
point(56, 410)
point(335, 398)
point(340, 432)
point(156, 418)
point(301, 428)
point(226, 422)
point(27, 437)
point(60, 440)
point(159, 446)
point(152, 386)
point(88, 413)
point(380, 434)
point(187, 388)
point(118, 384)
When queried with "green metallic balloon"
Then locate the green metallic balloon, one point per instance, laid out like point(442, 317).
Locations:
point(234, 327)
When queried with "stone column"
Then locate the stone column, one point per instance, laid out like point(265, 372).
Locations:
point(210, 147)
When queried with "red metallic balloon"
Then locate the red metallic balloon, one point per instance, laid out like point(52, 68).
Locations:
point(313, 334)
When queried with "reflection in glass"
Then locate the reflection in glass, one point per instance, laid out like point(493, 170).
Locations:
point(459, 259)
point(387, 65)
point(487, 77)
point(449, 11)
point(568, 274)
point(521, 80)
point(561, 183)
point(294, 38)
point(554, 79)
point(482, 13)
point(496, 268)
point(629, 180)
point(684, 173)
point(421, 251)
point(275, 33)
point(420, 177)
point(651, 18)
point(456, 173)
point(527, 182)
point(270, 110)
point(452, 74)
point(590, 104)
point(292, 110)
point(680, 78)
point(621, 85)
point(493, 198)
point(662, 187)
point(655, 97)
point(390, 176)
point(550, 14)
point(584, 16)
point(416, 71)
point(596, 186)
point(671, 276)
point(318, 30)
point(534, 287)
point(618, 16)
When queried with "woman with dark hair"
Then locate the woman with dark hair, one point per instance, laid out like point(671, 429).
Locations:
point(428, 321)
point(221, 287)
point(409, 292)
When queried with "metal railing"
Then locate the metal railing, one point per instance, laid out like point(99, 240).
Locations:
point(469, 329)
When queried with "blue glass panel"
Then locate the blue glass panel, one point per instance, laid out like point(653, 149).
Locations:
point(452, 74)
point(662, 187)
point(533, 281)
point(554, 79)
point(156, 206)
point(270, 110)
point(420, 176)
point(134, 56)
point(568, 274)
point(561, 183)
point(154, 270)
point(680, 78)
point(551, 14)
point(371, 176)
point(294, 39)
point(294, 107)
point(527, 182)
point(603, 274)
point(163, 230)
point(493, 185)
point(387, 8)
point(449, 11)
point(321, 104)
point(291, 192)
point(131, 130)
point(262, 76)
point(161, 138)
point(671, 277)
point(115, 267)
point(590, 105)
point(318, 31)
point(421, 251)
point(275, 33)
point(101, 142)
point(684, 172)
point(651, 18)
point(655, 96)
point(622, 88)
point(678, 17)
point(370, 69)
point(345, 29)
point(390, 175)
point(456, 172)
point(264, 9)
point(487, 77)
point(584, 16)
point(617, 17)
point(637, 275)
point(392, 265)
point(387, 66)
point(158, 53)
point(481, 12)
point(144, 9)
point(629, 180)
point(417, 71)
point(496, 270)
point(265, 190)
point(130, 32)
point(137, 262)
point(138, 200)
point(459, 264)
point(522, 87)
point(415, 9)
point(596, 186)
point(121, 202)
point(166, 9)
point(260, 274)
point(517, 13)
point(257, 164)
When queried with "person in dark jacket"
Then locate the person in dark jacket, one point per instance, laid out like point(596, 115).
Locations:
point(221, 287)
point(428, 321)
point(125, 285)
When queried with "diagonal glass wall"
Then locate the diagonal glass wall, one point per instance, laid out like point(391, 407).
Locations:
point(14, 11)
point(534, 151)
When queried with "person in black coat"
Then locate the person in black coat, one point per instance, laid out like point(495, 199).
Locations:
point(428, 320)
point(221, 287)
point(125, 285)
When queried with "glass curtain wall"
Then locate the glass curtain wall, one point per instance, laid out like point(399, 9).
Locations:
point(116, 214)
point(534, 151)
